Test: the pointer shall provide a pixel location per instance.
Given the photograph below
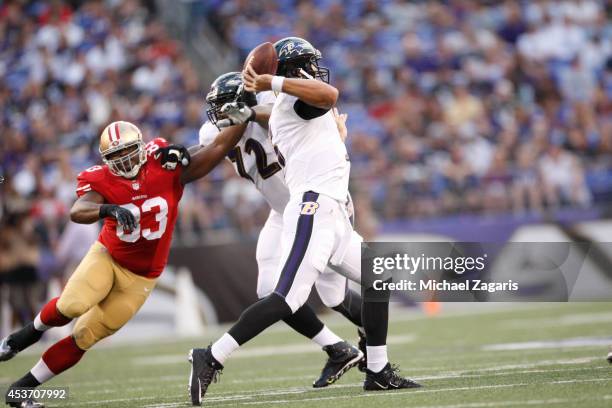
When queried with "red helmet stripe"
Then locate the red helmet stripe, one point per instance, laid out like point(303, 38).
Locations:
point(117, 130)
point(110, 134)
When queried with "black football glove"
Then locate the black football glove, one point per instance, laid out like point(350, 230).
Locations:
point(171, 156)
point(124, 217)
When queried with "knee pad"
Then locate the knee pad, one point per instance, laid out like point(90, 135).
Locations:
point(331, 298)
point(84, 337)
point(266, 278)
point(331, 288)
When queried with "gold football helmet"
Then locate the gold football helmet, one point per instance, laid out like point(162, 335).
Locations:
point(123, 149)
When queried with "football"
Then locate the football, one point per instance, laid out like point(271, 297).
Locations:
point(263, 59)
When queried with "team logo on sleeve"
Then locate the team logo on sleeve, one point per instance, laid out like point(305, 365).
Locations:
point(309, 207)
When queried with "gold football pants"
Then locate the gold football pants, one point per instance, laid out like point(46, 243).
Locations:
point(103, 295)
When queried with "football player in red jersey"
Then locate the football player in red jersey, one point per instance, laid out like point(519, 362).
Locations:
point(137, 198)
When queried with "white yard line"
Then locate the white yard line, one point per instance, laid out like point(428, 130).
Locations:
point(574, 319)
point(576, 342)
point(262, 351)
point(395, 393)
point(541, 363)
point(308, 371)
point(256, 395)
point(294, 391)
point(463, 374)
point(551, 401)
point(468, 371)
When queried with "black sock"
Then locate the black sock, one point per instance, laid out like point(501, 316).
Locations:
point(305, 322)
point(351, 307)
point(258, 317)
point(376, 316)
point(24, 338)
point(27, 381)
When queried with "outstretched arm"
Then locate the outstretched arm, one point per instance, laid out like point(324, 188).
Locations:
point(206, 158)
point(311, 91)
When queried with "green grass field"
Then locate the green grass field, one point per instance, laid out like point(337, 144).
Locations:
point(539, 355)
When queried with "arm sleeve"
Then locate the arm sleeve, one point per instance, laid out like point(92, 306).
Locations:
point(90, 180)
point(306, 111)
point(83, 185)
point(159, 142)
point(153, 146)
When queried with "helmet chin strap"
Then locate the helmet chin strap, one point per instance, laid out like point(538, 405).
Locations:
point(306, 74)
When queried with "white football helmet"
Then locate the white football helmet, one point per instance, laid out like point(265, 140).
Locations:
point(123, 149)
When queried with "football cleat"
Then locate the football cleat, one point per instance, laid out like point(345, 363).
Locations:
point(6, 351)
point(342, 357)
point(387, 379)
point(363, 363)
point(204, 370)
point(609, 358)
point(19, 341)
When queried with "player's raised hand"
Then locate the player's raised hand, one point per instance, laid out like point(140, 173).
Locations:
point(340, 119)
point(253, 82)
point(235, 113)
point(170, 156)
point(124, 217)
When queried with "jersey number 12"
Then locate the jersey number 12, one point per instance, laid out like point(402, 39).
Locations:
point(261, 158)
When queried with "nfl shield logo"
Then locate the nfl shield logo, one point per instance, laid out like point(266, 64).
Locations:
point(136, 186)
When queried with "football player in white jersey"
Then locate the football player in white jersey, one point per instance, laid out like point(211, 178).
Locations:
point(316, 230)
point(254, 159)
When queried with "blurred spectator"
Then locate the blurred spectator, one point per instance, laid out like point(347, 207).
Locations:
point(454, 106)
point(563, 178)
point(19, 260)
point(526, 194)
point(458, 88)
point(578, 84)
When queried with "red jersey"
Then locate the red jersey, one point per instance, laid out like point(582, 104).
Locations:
point(153, 197)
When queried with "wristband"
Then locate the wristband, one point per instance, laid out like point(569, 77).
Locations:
point(105, 210)
point(277, 83)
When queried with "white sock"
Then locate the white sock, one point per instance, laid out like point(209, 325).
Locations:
point(222, 348)
point(377, 358)
point(41, 372)
point(326, 337)
point(39, 325)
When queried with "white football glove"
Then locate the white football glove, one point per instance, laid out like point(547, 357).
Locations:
point(236, 113)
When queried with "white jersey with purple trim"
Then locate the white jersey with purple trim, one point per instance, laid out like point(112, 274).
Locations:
point(254, 158)
point(316, 158)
